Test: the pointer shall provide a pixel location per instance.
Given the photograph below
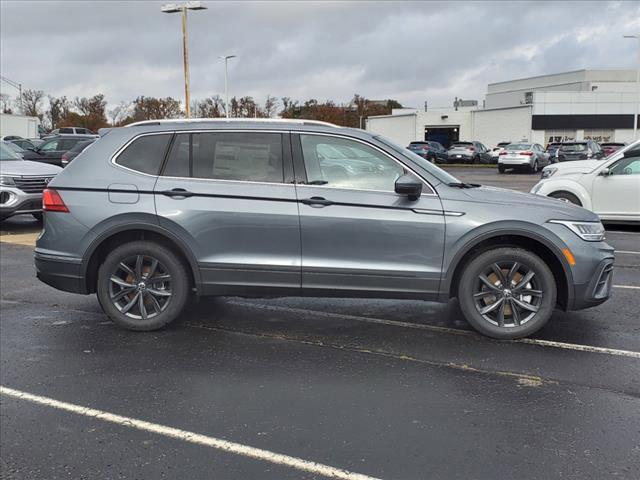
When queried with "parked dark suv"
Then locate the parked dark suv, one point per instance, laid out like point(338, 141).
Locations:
point(53, 148)
point(160, 210)
point(469, 152)
point(430, 150)
point(581, 150)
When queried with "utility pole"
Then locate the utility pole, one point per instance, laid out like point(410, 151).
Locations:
point(635, 117)
point(182, 8)
point(15, 85)
point(226, 82)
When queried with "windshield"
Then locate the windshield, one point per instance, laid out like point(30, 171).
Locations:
point(437, 172)
point(518, 146)
point(573, 147)
point(7, 153)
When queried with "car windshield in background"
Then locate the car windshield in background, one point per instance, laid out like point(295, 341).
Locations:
point(573, 147)
point(518, 146)
point(437, 172)
point(7, 153)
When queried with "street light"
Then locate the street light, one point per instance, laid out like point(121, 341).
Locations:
point(182, 8)
point(226, 83)
point(15, 85)
point(635, 117)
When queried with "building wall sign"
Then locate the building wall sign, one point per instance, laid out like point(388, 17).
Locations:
point(546, 122)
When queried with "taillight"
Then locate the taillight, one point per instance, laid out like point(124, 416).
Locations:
point(65, 156)
point(52, 201)
point(503, 153)
point(526, 154)
point(473, 149)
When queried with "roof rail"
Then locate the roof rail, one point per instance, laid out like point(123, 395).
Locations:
point(233, 120)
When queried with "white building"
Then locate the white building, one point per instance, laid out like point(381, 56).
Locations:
point(585, 104)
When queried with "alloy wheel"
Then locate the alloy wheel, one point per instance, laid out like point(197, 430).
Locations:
point(507, 294)
point(140, 287)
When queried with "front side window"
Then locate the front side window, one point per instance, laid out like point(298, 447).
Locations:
point(343, 163)
point(50, 146)
point(145, 154)
point(626, 166)
point(241, 156)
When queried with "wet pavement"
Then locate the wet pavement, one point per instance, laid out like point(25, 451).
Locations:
point(379, 388)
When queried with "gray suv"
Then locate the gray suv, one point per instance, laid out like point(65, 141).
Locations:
point(161, 210)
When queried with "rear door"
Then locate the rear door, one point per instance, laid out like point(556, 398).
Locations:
point(230, 196)
point(358, 235)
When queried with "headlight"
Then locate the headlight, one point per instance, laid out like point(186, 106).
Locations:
point(548, 172)
point(6, 180)
point(589, 231)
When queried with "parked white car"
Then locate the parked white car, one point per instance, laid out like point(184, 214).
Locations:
point(609, 187)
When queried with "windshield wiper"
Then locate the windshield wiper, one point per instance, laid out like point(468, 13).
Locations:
point(464, 185)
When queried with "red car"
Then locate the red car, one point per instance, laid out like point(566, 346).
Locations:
point(609, 147)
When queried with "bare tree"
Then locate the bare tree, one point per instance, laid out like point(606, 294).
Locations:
point(270, 106)
point(5, 103)
point(118, 113)
point(59, 109)
point(31, 104)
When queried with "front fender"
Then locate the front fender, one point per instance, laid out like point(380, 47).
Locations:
point(562, 185)
point(459, 246)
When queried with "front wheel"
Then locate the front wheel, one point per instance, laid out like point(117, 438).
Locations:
point(142, 285)
point(535, 167)
point(507, 293)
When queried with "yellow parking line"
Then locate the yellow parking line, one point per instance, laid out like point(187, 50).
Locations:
point(28, 239)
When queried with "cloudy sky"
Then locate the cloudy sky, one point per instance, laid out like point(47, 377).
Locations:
point(409, 51)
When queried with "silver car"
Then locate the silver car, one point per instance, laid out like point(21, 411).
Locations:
point(159, 211)
point(22, 183)
point(529, 156)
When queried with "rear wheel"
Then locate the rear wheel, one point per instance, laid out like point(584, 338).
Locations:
point(566, 197)
point(501, 168)
point(507, 293)
point(535, 166)
point(142, 286)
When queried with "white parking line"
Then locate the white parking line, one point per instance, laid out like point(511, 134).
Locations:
point(455, 331)
point(190, 437)
point(627, 252)
point(627, 286)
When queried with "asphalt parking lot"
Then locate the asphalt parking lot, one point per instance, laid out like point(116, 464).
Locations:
point(315, 388)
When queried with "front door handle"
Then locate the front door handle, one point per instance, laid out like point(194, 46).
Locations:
point(177, 193)
point(316, 201)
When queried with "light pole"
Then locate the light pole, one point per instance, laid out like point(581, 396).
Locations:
point(15, 85)
point(182, 8)
point(635, 117)
point(226, 83)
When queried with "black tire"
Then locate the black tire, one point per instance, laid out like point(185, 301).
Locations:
point(508, 320)
point(431, 158)
point(535, 167)
point(167, 296)
point(501, 168)
point(566, 197)
point(38, 216)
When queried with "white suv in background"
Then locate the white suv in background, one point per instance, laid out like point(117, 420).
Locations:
point(609, 187)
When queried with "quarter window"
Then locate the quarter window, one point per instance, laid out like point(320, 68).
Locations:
point(343, 163)
point(145, 154)
point(242, 156)
point(50, 146)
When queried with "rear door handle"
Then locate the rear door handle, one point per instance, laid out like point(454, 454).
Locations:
point(316, 201)
point(177, 193)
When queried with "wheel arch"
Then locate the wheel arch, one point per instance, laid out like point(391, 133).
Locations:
point(513, 238)
point(118, 235)
point(573, 188)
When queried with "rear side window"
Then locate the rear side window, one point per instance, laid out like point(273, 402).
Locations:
point(145, 154)
point(66, 130)
point(243, 156)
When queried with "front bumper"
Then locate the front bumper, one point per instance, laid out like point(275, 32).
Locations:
point(63, 273)
point(14, 201)
point(596, 291)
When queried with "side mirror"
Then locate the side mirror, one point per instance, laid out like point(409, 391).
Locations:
point(605, 172)
point(408, 185)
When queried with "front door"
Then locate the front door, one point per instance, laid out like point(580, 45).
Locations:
point(358, 235)
point(618, 194)
point(230, 197)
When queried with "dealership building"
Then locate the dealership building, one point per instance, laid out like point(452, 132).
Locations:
point(585, 104)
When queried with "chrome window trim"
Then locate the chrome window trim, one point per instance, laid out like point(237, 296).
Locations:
point(322, 134)
point(114, 158)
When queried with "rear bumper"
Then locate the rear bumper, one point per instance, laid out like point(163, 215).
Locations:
point(63, 273)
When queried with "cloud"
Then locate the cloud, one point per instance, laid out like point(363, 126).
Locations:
point(410, 51)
